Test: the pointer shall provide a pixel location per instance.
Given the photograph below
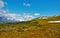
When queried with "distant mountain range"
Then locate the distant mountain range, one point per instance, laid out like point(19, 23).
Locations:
point(4, 19)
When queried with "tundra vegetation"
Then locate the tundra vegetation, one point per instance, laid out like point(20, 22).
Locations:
point(36, 28)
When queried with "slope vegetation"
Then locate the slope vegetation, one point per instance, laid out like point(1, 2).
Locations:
point(36, 28)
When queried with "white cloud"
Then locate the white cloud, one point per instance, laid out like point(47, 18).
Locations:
point(28, 17)
point(36, 14)
point(1, 4)
point(20, 17)
point(27, 4)
point(17, 17)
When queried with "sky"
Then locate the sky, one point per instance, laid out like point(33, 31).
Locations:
point(31, 8)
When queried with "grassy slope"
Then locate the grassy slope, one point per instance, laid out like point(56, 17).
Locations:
point(37, 28)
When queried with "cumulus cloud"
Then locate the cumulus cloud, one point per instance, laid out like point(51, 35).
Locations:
point(36, 14)
point(17, 17)
point(28, 17)
point(27, 4)
point(20, 17)
point(1, 4)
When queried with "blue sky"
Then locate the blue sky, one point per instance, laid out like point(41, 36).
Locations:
point(44, 7)
point(32, 7)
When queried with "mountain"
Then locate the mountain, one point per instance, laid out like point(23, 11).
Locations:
point(36, 28)
point(4, 19)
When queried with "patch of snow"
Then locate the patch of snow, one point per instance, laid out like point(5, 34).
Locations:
point(54, 21)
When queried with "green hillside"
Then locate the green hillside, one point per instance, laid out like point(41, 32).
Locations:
point(36, 28)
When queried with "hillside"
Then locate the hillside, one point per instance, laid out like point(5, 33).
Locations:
point(36, 28)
